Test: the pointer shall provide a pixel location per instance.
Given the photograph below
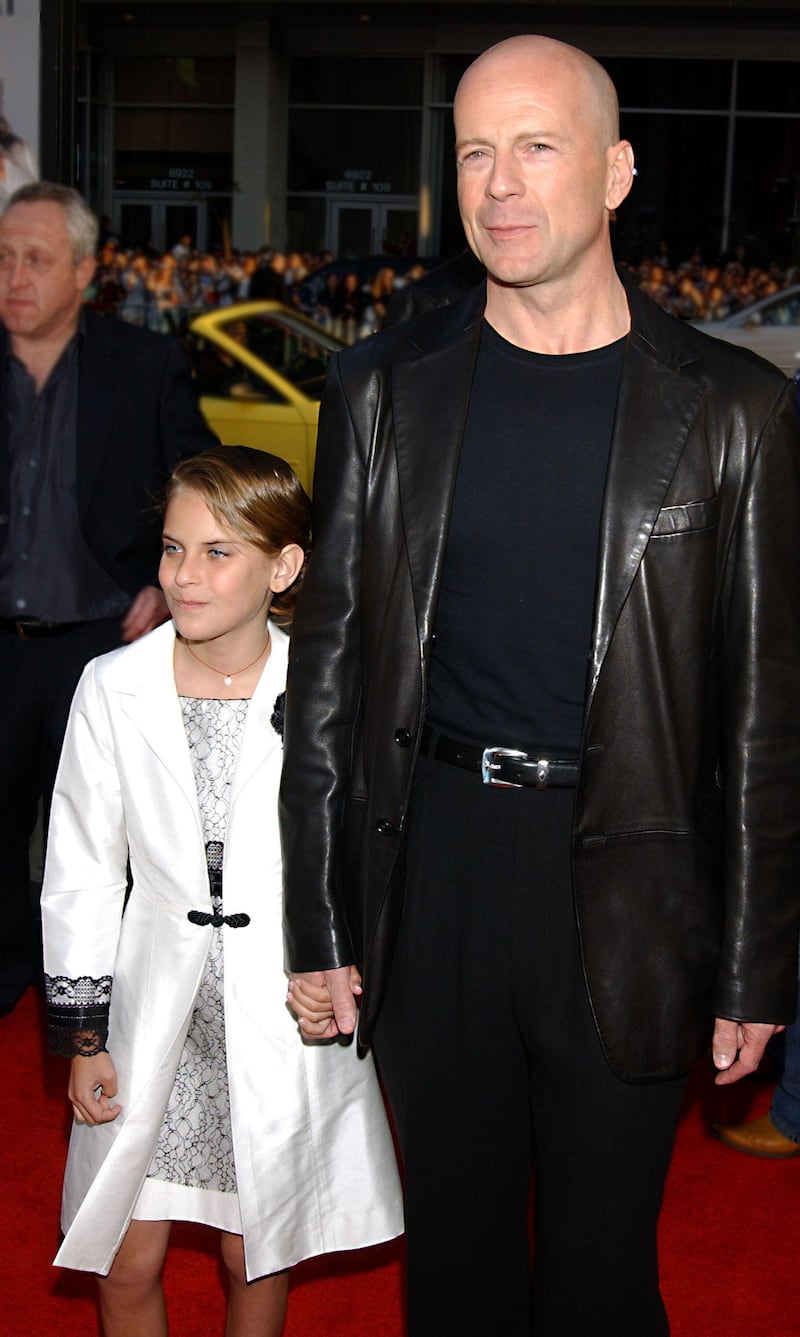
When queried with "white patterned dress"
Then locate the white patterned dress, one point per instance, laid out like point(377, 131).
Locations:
point(192, 1175)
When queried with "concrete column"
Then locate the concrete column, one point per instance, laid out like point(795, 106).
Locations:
point(259, 140)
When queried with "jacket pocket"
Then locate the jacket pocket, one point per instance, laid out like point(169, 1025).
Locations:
point(692, 516)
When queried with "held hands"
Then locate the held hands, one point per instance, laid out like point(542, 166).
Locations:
point(324, 1001)
point(92, 1084)
point(738, 1048)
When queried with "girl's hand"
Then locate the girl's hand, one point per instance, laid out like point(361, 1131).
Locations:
point(320, 1015)
point(92, 1084)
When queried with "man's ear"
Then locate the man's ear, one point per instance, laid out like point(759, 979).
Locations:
point(84, 272)
point(621, 172)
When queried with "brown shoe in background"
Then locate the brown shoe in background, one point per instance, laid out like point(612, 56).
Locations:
point(759, 1137)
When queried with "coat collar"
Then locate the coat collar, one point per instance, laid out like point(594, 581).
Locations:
point(261, 738)
point(143, 681)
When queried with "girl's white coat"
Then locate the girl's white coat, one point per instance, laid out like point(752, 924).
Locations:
point(316, 1169)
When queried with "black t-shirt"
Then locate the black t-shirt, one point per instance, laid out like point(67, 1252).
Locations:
point(514, 617)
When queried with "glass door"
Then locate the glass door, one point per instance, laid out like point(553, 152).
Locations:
point(187, 219)
point(366, 227)
point(354, 230)
point(134, 223)
point(144, 221)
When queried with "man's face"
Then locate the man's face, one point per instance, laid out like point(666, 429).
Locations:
point(536, 174)
point(41, 286)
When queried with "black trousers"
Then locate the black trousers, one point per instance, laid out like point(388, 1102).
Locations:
point(38, 681)
point(493, 1067)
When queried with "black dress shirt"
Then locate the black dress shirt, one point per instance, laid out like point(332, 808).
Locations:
point(47, 570)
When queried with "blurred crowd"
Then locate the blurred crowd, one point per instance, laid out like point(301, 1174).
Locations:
point(696, 290)
point(350, 298)
point(163, 291)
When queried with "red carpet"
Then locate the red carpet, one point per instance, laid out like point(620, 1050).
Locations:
point(730, 1229)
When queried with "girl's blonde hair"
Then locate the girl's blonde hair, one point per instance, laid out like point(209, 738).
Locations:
point(256, 495)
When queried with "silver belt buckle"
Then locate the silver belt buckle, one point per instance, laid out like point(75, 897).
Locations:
point(490, 763)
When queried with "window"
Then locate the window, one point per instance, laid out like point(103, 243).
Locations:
point(168, 149)
point(765, 197)
point(679, 84)
point(174, 79)
point(378, 81)
point(354, 152)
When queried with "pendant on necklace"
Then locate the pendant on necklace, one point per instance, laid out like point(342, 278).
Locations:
point(228, 678)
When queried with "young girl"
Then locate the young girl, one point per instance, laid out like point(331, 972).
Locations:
point(194, 1096)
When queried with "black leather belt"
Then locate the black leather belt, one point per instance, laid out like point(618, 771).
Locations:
point(502, 767)
point(32, 628)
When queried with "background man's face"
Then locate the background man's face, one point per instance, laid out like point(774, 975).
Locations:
point(41, 287)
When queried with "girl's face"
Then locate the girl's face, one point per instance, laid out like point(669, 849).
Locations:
point(217, 586)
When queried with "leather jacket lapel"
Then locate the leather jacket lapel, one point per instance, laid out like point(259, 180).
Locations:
point(430, 398)
point(657, 405)
point(659, 400)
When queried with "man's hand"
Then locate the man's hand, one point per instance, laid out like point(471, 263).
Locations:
point(148, 610)
point(324, 1001)
point(738, 1048)
point(92, 1083)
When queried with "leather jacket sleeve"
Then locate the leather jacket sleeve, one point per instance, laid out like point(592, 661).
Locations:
point(760, 743)
point(323, 706)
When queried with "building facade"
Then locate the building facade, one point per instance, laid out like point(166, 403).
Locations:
point(328, 125)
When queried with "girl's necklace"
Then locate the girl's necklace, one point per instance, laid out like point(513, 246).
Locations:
point(228, 678)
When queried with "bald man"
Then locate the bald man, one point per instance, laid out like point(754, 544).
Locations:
point(541, 775)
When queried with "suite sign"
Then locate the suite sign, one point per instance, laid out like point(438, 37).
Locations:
point(358, 181)
point(179, 179)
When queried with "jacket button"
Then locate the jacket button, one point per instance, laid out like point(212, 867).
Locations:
point(402, 738)
point(385, 828)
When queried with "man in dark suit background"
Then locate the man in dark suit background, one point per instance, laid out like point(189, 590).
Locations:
point(542, 740)
point(94, 414)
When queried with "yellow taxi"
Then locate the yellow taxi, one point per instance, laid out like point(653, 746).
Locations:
point(259, 368)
